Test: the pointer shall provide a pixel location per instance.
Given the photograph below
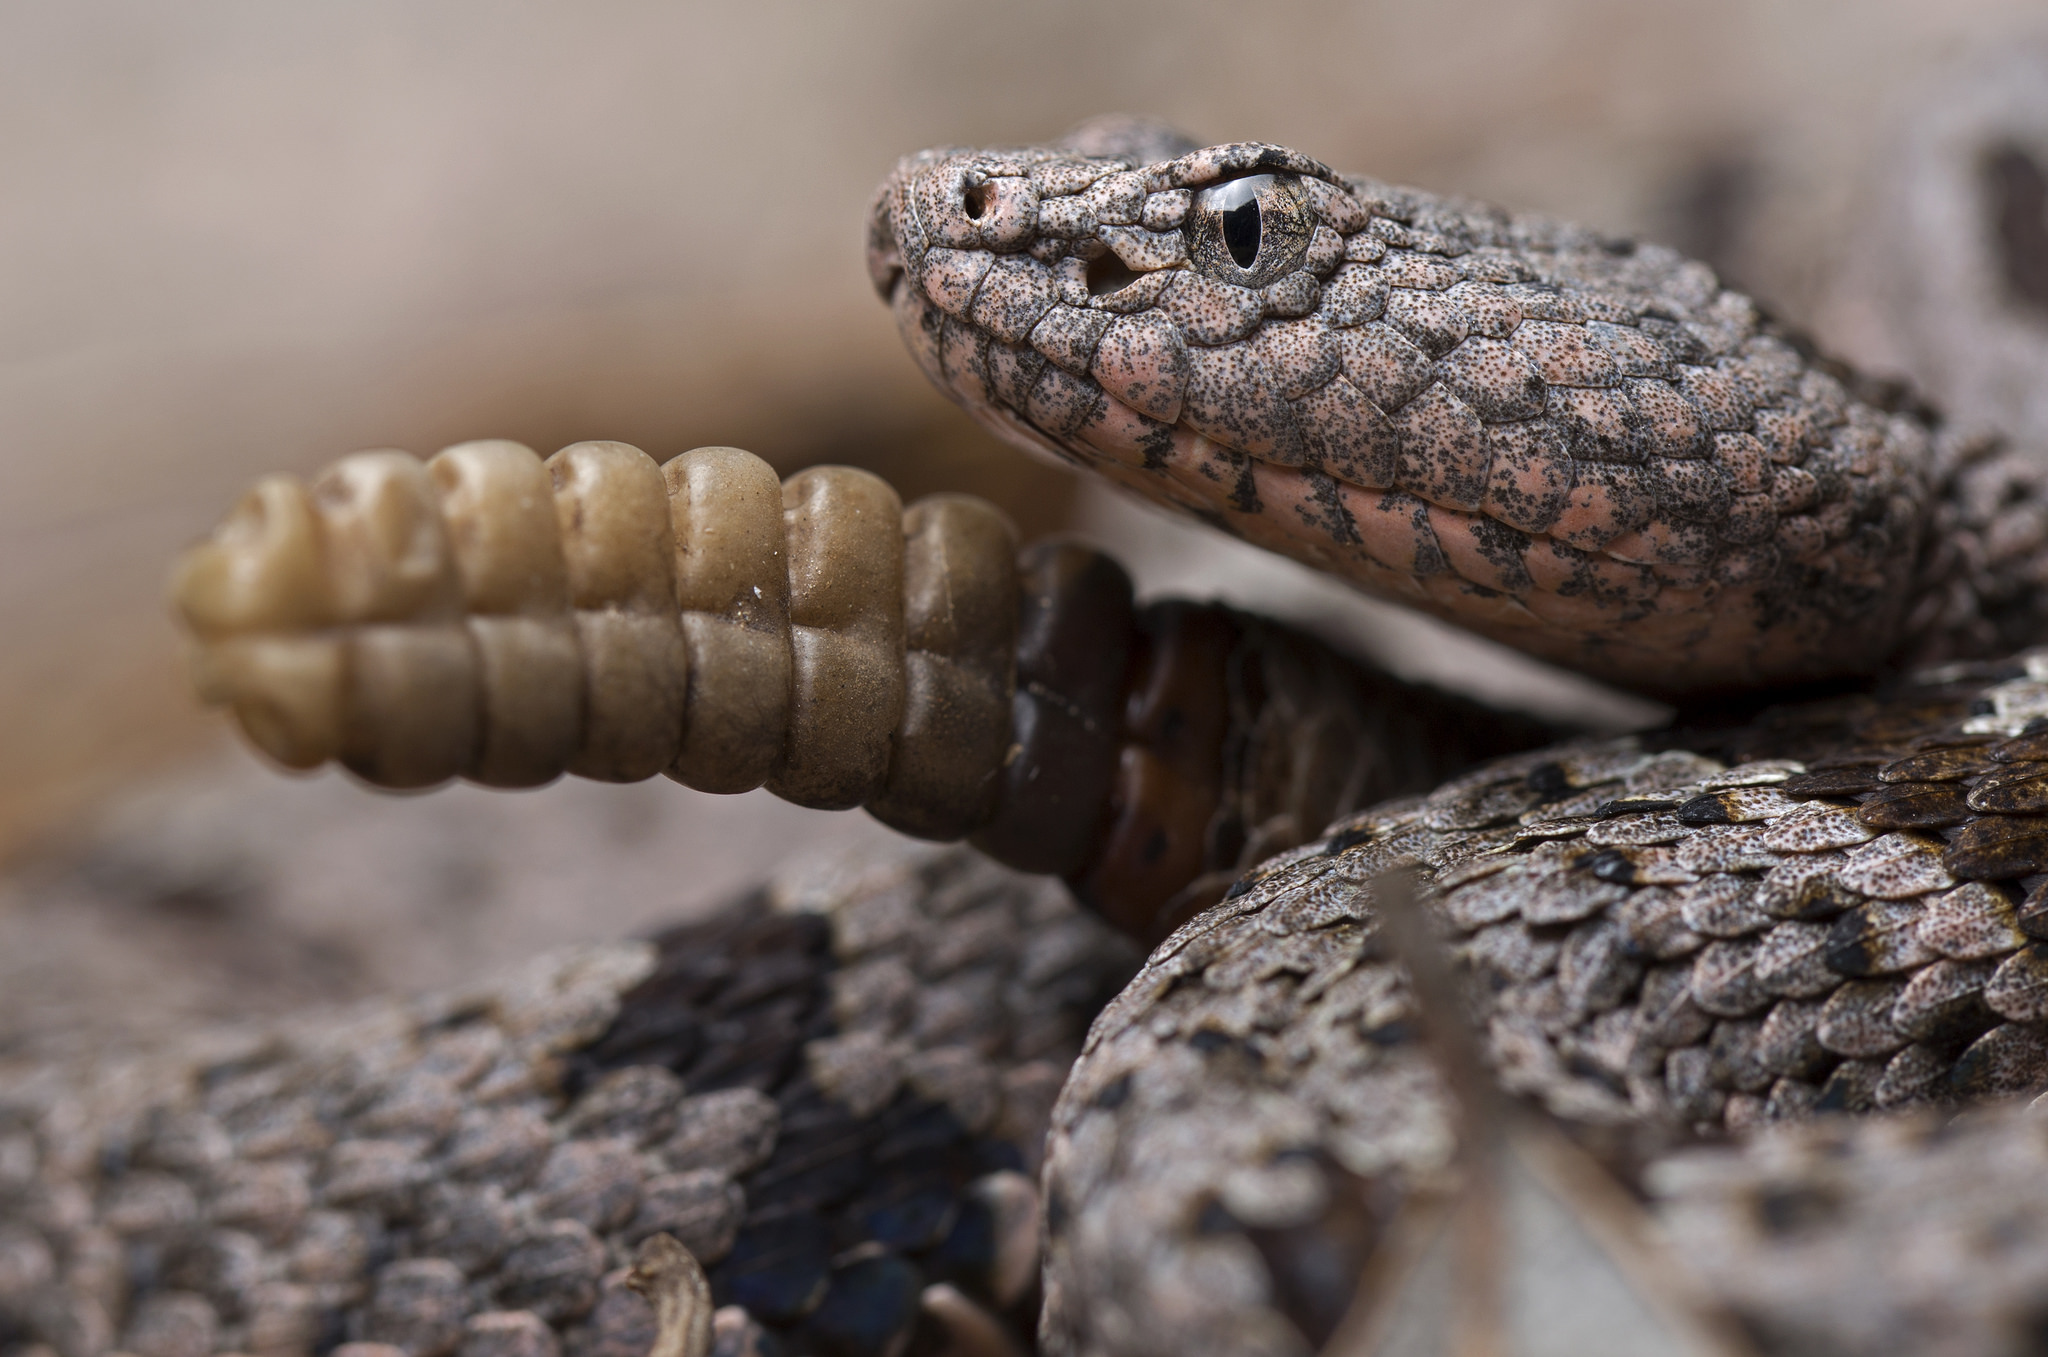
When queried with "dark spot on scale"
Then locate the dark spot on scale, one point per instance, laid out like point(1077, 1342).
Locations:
point(1114, 1093)
point(1837, 783)
point(1548, 781)
point(1844, 1091)
point(1850, 949)
point(1399, 1032)
point(1345, 842)
point(1610, 864)
point(1983, 706)
point(1706, 809)
point(1585, 1067)
point(1216, 1219)
point(1209, 1041)
point(1241, 886)
point(1635, 806)
point(1793, 1210)
point(1244, 496)
point(1156, 445)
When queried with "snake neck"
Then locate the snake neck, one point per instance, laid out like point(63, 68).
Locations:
point(1985, 559)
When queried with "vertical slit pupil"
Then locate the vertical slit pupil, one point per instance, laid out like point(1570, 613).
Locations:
point(1241, 233)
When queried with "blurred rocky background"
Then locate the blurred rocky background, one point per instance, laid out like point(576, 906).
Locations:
point(238, 237)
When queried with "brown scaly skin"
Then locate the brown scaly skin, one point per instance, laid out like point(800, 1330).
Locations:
point(831, 1093)
point(1671, 941)
point(1586, 448)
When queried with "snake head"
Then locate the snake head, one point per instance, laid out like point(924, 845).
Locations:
point(1586, 448)
point(1056, 292)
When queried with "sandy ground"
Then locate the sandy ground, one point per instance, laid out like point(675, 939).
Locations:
point(237, 237)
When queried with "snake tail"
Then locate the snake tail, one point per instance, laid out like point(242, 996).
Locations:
point(492, 616)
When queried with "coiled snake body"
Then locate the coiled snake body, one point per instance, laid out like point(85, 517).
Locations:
point(833, 1099)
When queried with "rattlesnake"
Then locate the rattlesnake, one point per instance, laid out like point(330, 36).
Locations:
point(1585, 447)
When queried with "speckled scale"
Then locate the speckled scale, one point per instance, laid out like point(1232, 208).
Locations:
point(1511, 951)
point(1597, 967)
point(1914, 805)
point(1445, 456)
point(2012, 787)
point(1971, 922)
point(1725, 980)
point(1792, 960)
point(2018, 989)
point(1945, 764)
point(1724, 848)
point(2010, 1058)
point(1995, 846)
point(1385, 366)
point(1722, 905)
point(1881, 937)
point(1653, 920)
point(1494, 898)
point(1816, 827)
point(1896, 866)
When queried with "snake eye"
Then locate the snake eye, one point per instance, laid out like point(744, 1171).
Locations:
point(1250, 231)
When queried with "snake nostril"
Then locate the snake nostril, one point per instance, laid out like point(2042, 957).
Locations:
point(1107, 274)
point(975, 201)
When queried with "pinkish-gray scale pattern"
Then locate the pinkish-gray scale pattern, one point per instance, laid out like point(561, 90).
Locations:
point(832, 1093)
point(1585, 447)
